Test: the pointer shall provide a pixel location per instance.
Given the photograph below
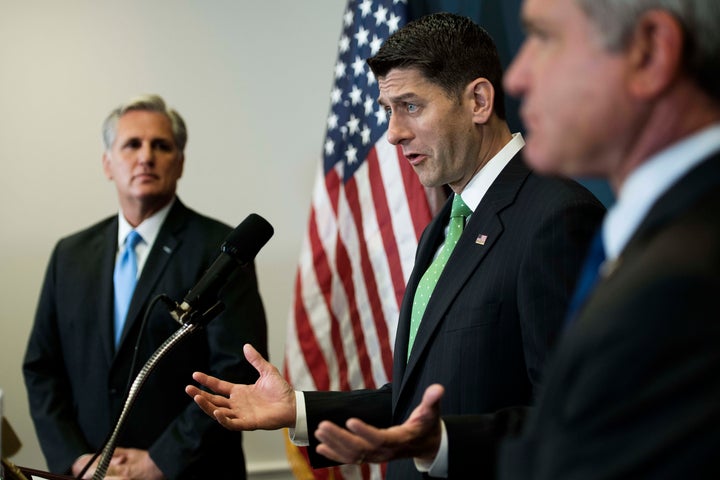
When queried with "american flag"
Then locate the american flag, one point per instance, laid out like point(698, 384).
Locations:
point(368, 210)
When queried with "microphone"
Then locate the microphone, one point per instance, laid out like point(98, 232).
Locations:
point(239, 249)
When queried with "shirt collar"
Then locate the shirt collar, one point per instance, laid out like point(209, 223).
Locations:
point(148, 229)
point(478, 186)
point(651, 180)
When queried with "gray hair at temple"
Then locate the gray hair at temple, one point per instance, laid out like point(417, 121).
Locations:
point(147, 103)
point(700, 20)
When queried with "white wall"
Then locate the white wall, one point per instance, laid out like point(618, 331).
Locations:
point(252, 80)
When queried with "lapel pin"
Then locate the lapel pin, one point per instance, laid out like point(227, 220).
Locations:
point(167, 249)
point(481, 239)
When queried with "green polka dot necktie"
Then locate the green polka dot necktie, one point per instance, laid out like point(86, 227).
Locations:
point(427, 283)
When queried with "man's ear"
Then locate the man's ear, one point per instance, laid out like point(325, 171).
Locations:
point(106, 165)
point(483, 95)
point(655, 53)
point(182, 164)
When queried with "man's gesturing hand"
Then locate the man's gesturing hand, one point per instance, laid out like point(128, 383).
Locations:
point(419, 436)
point(268, 404)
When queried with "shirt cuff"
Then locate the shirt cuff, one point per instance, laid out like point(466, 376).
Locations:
point(438, 467)
point(299, 435)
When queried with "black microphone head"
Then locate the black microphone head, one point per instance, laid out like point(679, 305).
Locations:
point(244, 243)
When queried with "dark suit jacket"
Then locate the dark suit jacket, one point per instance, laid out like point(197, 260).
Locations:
point(634, 391)
point(76, 381)
point(495, 310)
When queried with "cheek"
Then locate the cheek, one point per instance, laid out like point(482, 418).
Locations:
point(177, 170)
point(575, 139)
point(171, 166)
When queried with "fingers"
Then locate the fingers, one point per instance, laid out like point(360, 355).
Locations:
point(207, 401)
point(119, 456)
point(192, 390)
point(214, 406)
point(432, 395)
point(263, 367)
point(226, 421)
point(362, 429)
point(202, 401)
point(215, 384)
point(430, 403)
point(339, 444)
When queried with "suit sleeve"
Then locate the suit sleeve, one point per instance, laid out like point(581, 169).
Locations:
point(474, 439)
point(48, 384)
point(371, 406)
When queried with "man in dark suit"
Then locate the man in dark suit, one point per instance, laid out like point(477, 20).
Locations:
point(634, 390)
point(629, 91)
point(78, 359)
point(499, 301)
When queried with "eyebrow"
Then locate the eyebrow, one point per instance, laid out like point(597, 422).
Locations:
point(405, 97)
point(533, 24)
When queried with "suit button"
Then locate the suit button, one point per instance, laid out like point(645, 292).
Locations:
point(114, 391)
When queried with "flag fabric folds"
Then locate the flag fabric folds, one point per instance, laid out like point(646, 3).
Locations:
point(367, 212)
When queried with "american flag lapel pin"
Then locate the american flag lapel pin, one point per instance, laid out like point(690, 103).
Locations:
point(481, 239)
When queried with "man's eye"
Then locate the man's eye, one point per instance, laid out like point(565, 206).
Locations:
point(538, 35)
point(412, 108)
point(133, 143)
point(388, 111)
point(163, 146)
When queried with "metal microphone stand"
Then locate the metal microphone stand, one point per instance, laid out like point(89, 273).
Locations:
point(196, 321)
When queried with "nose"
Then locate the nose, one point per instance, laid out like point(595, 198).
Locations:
point(146, 153)
point(398, 131)
point(516, 75)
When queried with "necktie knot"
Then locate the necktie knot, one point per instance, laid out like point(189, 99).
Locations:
point(459, 209)
point(132, 240)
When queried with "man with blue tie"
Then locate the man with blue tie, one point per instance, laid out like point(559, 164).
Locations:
point(99, 285)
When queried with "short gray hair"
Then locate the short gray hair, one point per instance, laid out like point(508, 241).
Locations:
point(148, 103)
point(700, 20)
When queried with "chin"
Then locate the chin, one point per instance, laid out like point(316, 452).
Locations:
point(542, 163)
point(428, 182)
point(547, 161)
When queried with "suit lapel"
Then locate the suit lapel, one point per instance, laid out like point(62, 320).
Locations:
point(103, 251)
point(482, 231)
point(162, 251)
point(430, 240)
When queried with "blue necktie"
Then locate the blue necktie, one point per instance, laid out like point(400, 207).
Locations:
point(458, 214)
point(124, 279)
point(588, 278)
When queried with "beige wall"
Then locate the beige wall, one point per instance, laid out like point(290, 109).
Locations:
point(251, 78)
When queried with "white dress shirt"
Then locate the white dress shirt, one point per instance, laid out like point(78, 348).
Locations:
point(650, 181)
point(148, 230)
